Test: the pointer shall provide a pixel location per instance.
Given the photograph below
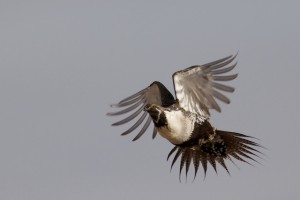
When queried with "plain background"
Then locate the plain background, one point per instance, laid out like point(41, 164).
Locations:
point(62, 63)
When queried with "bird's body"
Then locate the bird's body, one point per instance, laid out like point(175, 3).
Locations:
point(179, 123)
point(185, 121)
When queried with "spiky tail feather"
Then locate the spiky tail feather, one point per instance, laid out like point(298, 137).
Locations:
point(225, 145)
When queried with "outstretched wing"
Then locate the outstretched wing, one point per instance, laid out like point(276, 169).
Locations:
point(156, 93)
point(196, 87)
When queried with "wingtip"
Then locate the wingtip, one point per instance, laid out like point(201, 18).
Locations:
point(115, 124)
point(236, 54)
point(109, 114)
point(114, 105)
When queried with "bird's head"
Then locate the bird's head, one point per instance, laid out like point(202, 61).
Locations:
point(157, 114)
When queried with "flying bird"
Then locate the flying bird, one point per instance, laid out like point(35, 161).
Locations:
point(185, 120)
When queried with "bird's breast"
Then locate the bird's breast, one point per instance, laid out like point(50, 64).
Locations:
point(179, 128)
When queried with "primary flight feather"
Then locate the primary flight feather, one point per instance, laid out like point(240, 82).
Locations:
point(185, 120)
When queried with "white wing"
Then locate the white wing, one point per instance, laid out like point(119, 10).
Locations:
point(196, 87)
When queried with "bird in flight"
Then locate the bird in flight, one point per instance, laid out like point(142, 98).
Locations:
point(185, 120)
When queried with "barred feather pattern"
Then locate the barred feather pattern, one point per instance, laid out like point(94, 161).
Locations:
point(227, 146)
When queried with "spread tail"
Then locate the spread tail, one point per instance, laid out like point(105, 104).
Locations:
point(224, 146)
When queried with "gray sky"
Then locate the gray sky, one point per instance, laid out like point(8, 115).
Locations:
point(63, 62)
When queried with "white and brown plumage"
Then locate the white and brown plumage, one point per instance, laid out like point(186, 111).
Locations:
point(184, 121)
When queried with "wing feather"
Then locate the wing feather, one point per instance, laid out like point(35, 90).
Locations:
point(197, 87)
point(223, 87)
point(225, 78)
point(140, 93)
point(220, 96)
point(128, 109)
point(141, 119)
point(127, 103)
point(143, 129)
point(224, 70)
point(216, 62)
point(129, 118)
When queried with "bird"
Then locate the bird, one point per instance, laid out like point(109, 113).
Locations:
point(184, 120)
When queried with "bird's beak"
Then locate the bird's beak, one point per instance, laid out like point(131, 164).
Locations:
point(148, 107)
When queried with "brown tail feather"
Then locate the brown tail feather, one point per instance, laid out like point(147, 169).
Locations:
point(225, 146)
point(239, 145)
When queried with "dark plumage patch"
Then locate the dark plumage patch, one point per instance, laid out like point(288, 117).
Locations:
point(167, 98)
point(158, 117)
point(162, 121)
point(214, 148)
